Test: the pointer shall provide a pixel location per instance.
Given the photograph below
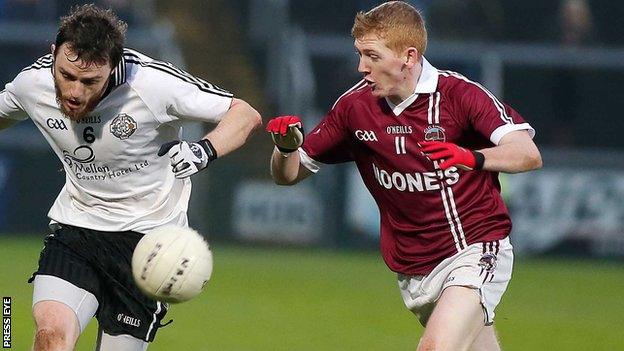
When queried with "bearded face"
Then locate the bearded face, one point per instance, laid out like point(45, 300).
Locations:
point(79, 85)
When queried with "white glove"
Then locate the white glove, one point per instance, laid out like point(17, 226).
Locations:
point(188, 158)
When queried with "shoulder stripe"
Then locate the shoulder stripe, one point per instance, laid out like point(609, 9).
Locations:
point(499, 106)
point(182, 77)
point(191, 78)
point(176, 72)
point(359, 85)
point(171, 66)
point(42, 62)
point(119, 73)
point(188, 77)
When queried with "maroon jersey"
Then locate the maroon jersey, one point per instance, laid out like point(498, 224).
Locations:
point(427, 214)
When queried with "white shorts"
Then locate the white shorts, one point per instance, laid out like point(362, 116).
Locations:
point(485, 267)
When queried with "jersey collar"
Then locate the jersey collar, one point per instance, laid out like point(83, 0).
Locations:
point(427, 84)
point(118, 75)
point(428, 81)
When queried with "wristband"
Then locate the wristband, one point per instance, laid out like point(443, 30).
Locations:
point(284, 150)
point(211, 152)
point(479, 160)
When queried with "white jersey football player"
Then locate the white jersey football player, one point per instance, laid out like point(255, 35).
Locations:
point(111, 115)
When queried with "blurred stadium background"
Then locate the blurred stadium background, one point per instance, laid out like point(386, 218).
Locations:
point(297, 268)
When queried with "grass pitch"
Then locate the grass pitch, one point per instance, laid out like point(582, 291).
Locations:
point(294, 299)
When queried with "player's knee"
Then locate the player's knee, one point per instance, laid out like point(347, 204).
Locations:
point(56, 326)
point(428, 343)
point(51, 339)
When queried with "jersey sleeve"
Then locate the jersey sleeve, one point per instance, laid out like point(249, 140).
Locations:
point(175, 94)
point(10, 105)
point(328, 141)
point(199, 100)
point(489, 116)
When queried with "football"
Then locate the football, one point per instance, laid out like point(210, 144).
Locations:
point(172, 264)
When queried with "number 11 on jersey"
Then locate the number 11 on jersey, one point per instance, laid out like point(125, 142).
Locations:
point(399, 143)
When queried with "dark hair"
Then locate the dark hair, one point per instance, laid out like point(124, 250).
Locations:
point(94, 34)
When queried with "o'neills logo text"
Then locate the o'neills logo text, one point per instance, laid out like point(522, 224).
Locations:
point(399, 129)
point(90, 120)
point(132, 321)
point(417, 181)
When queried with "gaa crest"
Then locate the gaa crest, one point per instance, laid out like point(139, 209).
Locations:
point(434, 133)
point(123, 126)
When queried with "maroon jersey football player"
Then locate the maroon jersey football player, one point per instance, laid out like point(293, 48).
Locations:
point(429, 145)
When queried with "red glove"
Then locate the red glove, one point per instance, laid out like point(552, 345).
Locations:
point(287, 132)
point(452, 155)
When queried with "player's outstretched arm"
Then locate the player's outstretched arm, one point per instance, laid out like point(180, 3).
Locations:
point(515, 153)
point(287, 135)
point(188, 158)
point(234, 128)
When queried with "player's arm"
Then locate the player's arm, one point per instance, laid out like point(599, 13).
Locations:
point(231, 132)
point(293, 160)
point(286, 169)
point(287, 135)
point(234, 128)
point(195, 99)
point(513, 149)
point(11, 111)
point(515, 153)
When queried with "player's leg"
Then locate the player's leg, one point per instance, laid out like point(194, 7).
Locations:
point(64, 288)
point(496, 276)
point(57, 327)
point(486, 340)
point(128, 319)
point(455, 322)
point(61, 311)
point(106, 342)
point(459, 295)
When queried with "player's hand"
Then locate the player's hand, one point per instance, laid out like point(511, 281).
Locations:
point(452, 155)
point(287, 133)
point(188, 158)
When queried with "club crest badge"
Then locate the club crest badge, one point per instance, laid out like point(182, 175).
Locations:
point(123, 126)
point(488, 262)
point(435, 133)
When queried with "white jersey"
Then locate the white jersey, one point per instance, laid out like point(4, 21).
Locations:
point(114, 179)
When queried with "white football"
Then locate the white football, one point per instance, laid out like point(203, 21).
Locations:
point(172, 264)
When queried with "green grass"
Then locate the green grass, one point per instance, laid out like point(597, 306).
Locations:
point(268, 299)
